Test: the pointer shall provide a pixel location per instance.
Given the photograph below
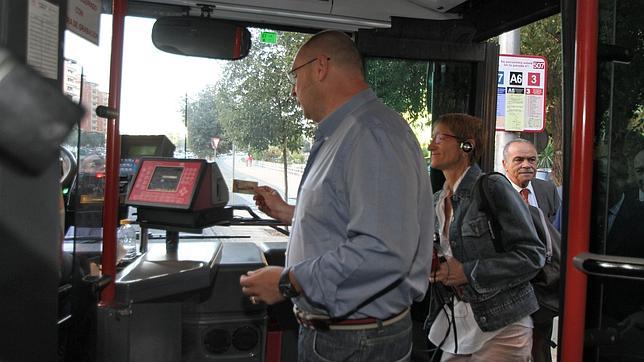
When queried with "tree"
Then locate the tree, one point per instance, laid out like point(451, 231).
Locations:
point(544, 38)
point(401, 84)
point(203, 123)
point(620, 83)
point(253, 100)
point(619, 91)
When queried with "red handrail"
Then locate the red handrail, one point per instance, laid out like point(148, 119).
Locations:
point(113, 155)
point(583, 131)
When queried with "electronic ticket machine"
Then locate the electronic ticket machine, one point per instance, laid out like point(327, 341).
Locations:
point(86, 199)
point(181, 300)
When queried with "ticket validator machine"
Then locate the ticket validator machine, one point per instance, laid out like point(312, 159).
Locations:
point(181, 300)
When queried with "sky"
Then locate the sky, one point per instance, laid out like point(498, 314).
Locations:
point(153, 83)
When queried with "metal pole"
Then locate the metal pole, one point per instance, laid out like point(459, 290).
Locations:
point(509, 43)
point(581, 175)
point(110, 212)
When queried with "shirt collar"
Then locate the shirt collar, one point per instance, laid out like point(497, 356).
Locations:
point(467, 180)
point(519, 188)
point(457, 183)
point(330, 123)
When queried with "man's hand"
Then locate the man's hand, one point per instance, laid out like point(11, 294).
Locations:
point(450, 273)
point(271, 203)
point(261, 285)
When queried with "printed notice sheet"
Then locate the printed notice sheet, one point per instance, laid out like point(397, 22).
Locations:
point(42, 38)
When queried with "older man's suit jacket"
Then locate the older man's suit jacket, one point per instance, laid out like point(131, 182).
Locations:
point(547, 197)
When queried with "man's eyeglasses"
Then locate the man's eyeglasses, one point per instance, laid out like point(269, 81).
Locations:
point(292, 76)
point(440, 137)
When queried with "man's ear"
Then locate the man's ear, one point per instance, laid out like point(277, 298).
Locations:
point(504, 165)
point(323, 69)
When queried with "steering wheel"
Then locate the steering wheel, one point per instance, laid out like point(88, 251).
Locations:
point(69, 167)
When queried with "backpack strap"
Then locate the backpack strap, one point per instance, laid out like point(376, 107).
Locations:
point(546, 232)
point(485, 207)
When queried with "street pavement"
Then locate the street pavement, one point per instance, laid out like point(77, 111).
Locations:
point(263, 176)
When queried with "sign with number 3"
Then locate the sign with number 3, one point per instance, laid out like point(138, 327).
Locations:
point(521, 93)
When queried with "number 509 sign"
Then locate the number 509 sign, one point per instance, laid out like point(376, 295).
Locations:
point(521, 93)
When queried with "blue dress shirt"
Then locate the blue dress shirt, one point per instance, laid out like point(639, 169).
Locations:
point(361, 241)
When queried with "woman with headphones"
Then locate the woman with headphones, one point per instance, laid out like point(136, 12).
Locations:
point(481, 298)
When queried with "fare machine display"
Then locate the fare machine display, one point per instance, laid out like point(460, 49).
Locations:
point(179, 194)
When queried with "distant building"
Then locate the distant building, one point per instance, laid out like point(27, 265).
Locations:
point(90, 96)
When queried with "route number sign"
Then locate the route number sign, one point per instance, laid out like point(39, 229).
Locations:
point(521, 93)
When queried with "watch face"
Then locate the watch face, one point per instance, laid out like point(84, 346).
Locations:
point(287, 291)
point(285, 286)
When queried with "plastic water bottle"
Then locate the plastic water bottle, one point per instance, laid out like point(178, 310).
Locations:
point(127, 239)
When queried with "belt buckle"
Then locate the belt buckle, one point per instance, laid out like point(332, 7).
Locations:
point(313, 323)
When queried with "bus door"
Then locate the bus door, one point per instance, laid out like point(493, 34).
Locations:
point(442, 74)
point(445, 72)
point(614, 326)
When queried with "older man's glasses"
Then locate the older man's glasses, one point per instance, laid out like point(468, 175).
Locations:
point(440, 137)
point(292, 75)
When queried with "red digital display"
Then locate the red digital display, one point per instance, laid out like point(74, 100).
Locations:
point(165, 183)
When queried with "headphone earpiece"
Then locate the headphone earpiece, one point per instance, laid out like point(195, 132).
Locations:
point(466, 146)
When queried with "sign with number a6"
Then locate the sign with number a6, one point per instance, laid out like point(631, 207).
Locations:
point(521, 93)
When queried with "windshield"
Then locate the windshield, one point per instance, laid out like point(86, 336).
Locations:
point(237, 113)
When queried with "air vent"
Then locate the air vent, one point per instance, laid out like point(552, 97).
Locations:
point(245, 338)
point(217, 341)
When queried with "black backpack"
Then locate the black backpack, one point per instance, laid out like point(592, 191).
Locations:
point(546, 282)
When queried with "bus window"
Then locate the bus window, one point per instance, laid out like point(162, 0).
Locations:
point(177, 103)
point(85, 83)
point(614, 307)
point(427, 89)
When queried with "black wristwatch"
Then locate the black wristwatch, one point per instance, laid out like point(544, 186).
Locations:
point(286, 288)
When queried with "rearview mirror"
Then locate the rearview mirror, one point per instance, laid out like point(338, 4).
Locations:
point(201, 37)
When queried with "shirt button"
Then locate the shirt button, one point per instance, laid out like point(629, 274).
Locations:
point(483, 319)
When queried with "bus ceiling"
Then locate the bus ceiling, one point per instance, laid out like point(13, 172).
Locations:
point(488, 18)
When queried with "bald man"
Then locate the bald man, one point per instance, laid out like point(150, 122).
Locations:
point(360, 248)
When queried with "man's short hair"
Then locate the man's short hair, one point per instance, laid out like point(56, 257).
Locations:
point(465, 127)
point(516, 140)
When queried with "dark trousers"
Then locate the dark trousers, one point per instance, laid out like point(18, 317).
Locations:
point(541, 334)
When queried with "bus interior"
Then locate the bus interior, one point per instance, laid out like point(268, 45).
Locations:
point(67, 293)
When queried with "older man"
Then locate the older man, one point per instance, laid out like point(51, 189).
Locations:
point(360, 248)
point(520, 164)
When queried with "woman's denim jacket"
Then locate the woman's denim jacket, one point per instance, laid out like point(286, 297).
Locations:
point(499, 289)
